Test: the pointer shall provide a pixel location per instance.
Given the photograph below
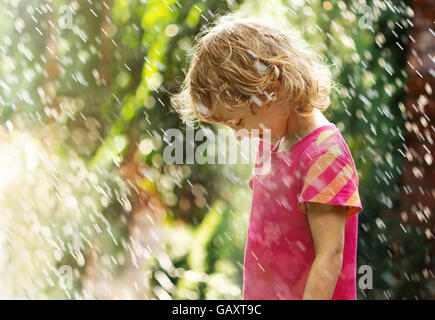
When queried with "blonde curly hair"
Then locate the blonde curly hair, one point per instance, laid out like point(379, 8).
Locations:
point(238, 61)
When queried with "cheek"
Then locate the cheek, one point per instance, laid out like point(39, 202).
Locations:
point(264, 118)
point(274, 121)
point(262, 123)
point(277, 126)
point(268, 118)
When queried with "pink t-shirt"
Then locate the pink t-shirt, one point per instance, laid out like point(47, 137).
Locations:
point(279, 249)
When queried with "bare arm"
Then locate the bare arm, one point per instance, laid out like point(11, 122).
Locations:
point(327, 224)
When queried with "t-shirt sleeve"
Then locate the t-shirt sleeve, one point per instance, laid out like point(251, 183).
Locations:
point(331, 178)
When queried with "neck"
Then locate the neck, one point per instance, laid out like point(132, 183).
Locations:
point(298, 127)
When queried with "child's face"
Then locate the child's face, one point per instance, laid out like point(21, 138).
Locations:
point(274, 118)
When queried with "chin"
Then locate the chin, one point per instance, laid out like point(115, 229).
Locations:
point(276, 137)
point(272, 136)
point(274, 140)
point(269, 139)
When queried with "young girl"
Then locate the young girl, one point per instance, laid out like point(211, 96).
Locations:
point(302, 234)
